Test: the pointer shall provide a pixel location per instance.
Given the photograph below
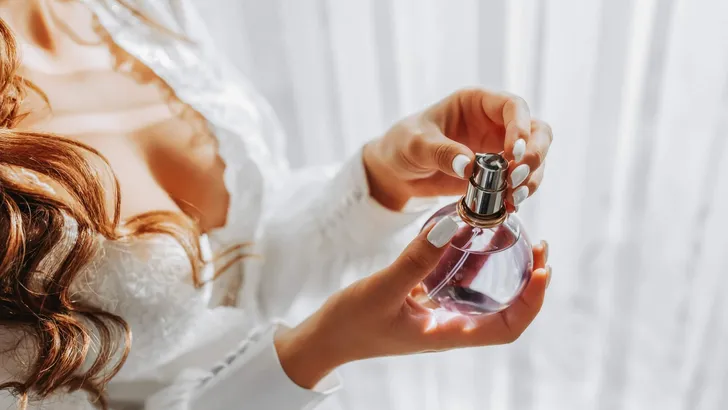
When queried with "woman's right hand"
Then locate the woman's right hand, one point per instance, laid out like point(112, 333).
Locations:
point(377, 315)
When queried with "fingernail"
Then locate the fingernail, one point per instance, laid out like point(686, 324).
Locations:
point(519, 195)
point(519, 175)
point(459, 163)
point(545, 249)
point(443, 231)
point(519, 148)
point(548, 278)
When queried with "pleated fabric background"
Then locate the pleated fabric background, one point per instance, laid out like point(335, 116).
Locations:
point(635, 200)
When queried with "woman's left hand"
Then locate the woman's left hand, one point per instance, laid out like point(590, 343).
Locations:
point(430, 153)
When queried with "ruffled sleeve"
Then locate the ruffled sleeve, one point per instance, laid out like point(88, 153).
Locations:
point(250, 377)
point(317, 224)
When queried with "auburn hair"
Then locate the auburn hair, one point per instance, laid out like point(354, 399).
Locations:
point(36, 302)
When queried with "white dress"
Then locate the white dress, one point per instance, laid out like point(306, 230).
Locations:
point(189, 351)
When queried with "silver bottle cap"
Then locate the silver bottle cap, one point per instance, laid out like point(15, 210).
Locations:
point(487, 187)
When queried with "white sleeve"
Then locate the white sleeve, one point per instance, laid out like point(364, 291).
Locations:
point(250, 377)
point(317, 224)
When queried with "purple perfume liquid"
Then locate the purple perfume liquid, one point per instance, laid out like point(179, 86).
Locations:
point(484, 269)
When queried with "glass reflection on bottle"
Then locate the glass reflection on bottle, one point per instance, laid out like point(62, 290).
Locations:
point(484, 269)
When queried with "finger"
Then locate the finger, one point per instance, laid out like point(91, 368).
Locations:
point(420, 302)
point(540, 255)
point(520, 314)
point(541, 258)
point(507, 326)
point(531, 153)
point(534, 181)
point(515, 117)
point(516, 196)
point(440, 185)
point(548, 279)
point(436, 152)
point(418, 291)
point(418, 260)
point(506, 110)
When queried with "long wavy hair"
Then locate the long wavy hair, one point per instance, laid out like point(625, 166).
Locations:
point(36, 302)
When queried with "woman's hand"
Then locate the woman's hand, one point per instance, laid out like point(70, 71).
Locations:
point(429, 153)
point(377, 316)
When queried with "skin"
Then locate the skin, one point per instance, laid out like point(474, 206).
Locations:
point(161, 152)
point(378, 316)
point(419, 150)
point(166, 159)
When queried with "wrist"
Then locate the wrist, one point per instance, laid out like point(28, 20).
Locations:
point(303, 354)
point(384, 187)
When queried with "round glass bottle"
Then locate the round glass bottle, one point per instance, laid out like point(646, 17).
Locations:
point(489, 260)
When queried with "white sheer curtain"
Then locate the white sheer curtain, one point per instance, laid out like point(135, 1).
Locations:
point(635, 201)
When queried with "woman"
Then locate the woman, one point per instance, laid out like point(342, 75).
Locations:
point(139, 171)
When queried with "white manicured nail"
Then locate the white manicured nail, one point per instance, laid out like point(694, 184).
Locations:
point(519, 195)
point(443, 231)
point(459, 163)
point(519, 175)
point(548, 278)
point(519, 148)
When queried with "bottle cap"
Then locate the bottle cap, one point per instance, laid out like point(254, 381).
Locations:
point(487, 186)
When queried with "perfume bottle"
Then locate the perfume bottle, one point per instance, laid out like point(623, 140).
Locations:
point(489, 260)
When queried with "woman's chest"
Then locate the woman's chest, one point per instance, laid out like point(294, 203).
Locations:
point(160, 150)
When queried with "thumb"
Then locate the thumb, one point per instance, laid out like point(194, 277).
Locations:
point(438, 152)
point(418, 259)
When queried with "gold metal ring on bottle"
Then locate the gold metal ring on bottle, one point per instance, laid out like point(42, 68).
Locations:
point(479, 221)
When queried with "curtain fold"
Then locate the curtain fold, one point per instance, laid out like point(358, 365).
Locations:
point(635, 200)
